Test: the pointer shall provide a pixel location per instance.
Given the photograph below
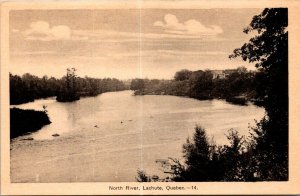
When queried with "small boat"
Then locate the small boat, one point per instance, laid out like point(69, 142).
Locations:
point(29, 138)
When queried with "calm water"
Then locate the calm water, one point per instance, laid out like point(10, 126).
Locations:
point(108, 137)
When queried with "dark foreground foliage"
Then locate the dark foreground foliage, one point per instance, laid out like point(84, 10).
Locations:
point(269, 50)
point(26, 121)
point(206, 161)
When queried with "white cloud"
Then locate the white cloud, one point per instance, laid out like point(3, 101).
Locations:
point(190, 27)
point(173, 29)
point(15, 30)
point(41, 30)
point(61, 32)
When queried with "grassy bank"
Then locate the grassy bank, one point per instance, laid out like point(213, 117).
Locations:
point(26, 121)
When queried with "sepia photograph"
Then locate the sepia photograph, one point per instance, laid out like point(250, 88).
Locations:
point(146, 95)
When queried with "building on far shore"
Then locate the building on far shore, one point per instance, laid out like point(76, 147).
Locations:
point(230, 71)
point(218, 74)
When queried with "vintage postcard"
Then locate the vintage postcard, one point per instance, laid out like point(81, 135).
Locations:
point(150, 97)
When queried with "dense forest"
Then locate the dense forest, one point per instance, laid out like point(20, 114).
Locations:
point(238, 86)
point(28, 87)
point(263, 156)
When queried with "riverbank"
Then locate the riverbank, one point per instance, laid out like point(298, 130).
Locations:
point(26, 121)
point(238, 87)
point(237, 100)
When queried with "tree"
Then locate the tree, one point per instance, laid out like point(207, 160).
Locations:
point(69, 91)
point(197, 159)
point(182, 75)
point(29, 87)
point(142, 176)
point(269, 50)
point(205, 161)
point(19, 93)
point(201, 84)
point(137, 84)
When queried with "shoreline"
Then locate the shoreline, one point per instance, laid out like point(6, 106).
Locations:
point(23, 122)
point(230, 100)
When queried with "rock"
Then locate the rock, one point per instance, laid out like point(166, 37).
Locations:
point(55, 135)
point(155, 177)
point(29, 138)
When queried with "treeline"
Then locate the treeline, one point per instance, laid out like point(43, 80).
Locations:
point(28, 87)
point(203, 85)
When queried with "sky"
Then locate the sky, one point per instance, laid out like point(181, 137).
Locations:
point(126, 43)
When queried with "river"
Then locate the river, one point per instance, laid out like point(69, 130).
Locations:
point(110, 136)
